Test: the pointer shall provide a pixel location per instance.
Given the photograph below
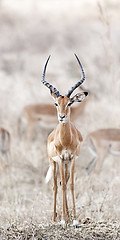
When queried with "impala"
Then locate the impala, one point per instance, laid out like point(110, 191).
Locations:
point(46, 114)
point(64, 143)
point(4, 148)
point(102, 142)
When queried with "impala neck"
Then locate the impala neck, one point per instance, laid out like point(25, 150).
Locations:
point(65, 133)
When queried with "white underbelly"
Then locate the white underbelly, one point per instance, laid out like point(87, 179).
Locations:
point(66, 156)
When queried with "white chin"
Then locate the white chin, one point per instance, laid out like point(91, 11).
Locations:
point(63, 121)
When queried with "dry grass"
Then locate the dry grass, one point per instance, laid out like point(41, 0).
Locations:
point(28, 36)
point(88, 229)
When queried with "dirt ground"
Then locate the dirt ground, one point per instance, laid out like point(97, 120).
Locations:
point(29, 32)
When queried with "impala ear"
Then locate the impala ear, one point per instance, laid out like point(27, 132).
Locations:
point(79, 97)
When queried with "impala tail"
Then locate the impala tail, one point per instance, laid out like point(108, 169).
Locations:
point(48, 175)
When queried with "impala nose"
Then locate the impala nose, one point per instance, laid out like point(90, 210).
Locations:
point(62, 117)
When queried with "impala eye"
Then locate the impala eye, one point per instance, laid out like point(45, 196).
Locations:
point(56, 104)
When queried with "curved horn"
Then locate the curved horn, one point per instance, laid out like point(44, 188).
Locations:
point(52, 89)
point(78, 83)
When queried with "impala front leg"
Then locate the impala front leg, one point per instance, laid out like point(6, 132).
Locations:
point(75, 222)
point(67, 175)
point(54, 189)
point(61, 168)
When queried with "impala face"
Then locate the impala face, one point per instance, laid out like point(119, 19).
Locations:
point(62, 104)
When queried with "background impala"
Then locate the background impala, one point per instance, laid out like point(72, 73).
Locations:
point(101, 143)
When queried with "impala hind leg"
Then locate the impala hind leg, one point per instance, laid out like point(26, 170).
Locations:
point(75, 222)
point(54, 189)
point(92, 149)
point(5, 158)
point(29, 132)
point(102, 153)
point(2, 163)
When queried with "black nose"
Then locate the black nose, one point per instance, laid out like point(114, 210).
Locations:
point(62, 116)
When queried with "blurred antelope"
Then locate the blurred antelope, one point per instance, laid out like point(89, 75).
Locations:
point(102, 142)
point(46, 114)
point(64, 143)
point(4, 148)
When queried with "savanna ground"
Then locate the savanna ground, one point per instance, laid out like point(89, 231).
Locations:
point(29, 32)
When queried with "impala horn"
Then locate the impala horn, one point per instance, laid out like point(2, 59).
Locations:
point(47, 84)
point(78, 83)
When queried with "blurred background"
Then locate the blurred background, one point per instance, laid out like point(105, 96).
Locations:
point(30, 31)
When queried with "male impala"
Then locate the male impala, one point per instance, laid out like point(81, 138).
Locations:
point(4, 148)
point(102, 142)
point(64, 143)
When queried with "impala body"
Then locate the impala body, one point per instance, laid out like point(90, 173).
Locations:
point(64, 144)
point(101, 143)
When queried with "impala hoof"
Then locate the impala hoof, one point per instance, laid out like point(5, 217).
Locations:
point(62, 222)
point(75, 223)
